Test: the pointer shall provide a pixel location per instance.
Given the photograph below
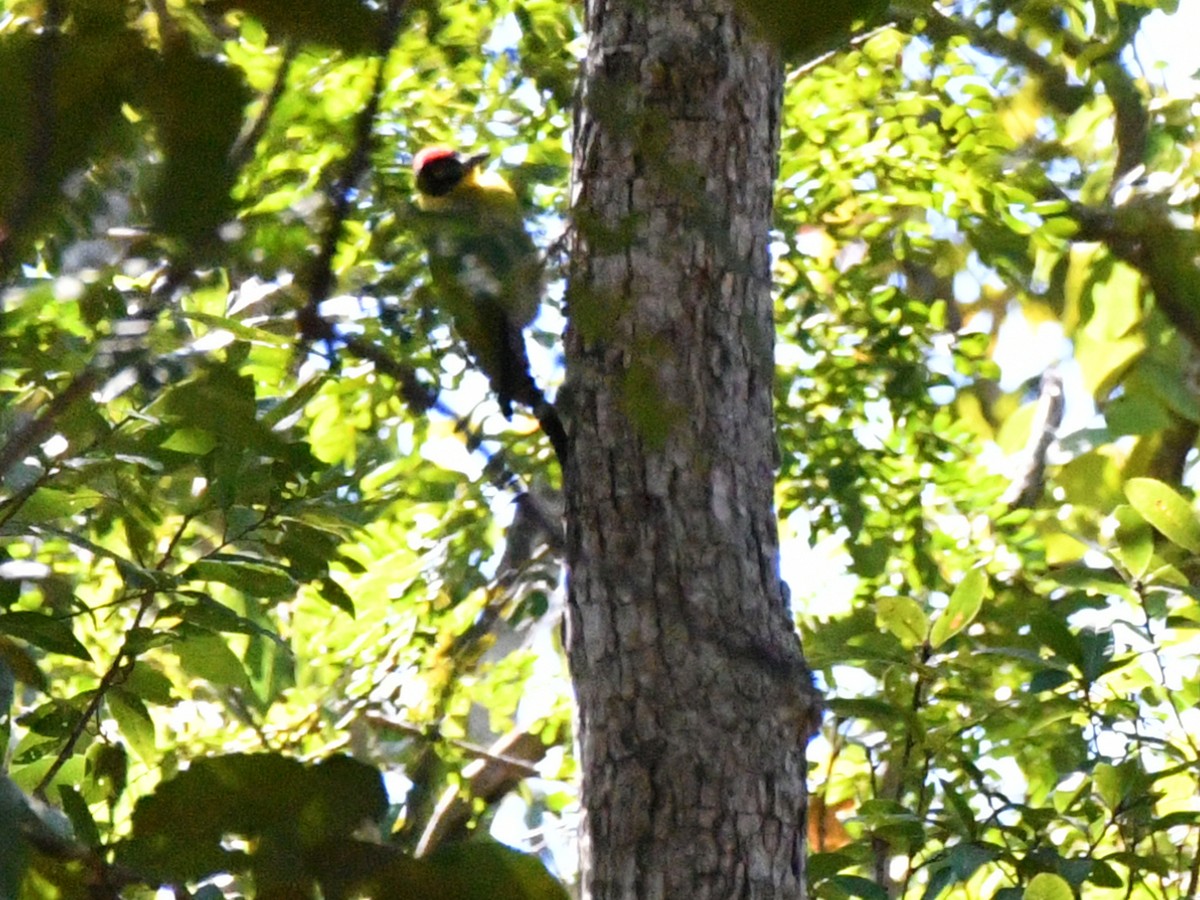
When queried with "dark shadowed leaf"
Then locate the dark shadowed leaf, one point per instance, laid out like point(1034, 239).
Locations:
point(348, 25)
point(42, 631)
point(197, 106)
point(180, 829)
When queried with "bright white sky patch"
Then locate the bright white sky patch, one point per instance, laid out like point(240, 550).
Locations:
point(1169, 48)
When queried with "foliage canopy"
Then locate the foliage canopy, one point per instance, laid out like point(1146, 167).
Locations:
point(250, 495)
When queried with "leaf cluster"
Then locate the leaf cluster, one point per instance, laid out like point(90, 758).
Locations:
point(224, 525)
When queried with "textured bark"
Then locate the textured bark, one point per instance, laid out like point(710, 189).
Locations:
point(694, 704)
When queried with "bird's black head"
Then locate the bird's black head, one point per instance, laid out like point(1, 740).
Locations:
point(439, 170)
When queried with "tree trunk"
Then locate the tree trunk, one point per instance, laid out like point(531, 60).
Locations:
point(694, 703)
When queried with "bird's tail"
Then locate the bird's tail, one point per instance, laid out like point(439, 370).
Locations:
point(514, 382)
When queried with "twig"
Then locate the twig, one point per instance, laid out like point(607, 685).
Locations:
point(38, 429)
point(116, 670)
point(466, 747)
point(1056, 86)
point(1026, 488)
point(509, 760)
point(1132, 118)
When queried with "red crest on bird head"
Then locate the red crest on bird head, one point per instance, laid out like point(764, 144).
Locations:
point(439, 152)
point(432, 154)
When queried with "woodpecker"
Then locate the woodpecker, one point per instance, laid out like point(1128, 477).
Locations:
point(484, 265)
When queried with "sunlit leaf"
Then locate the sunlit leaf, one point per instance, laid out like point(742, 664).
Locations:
point(964, 605)
point(903, 617)
point(135, 723)
point(1166, 510)
point(207, 656)
point(1135, 541)
point(1047, 886)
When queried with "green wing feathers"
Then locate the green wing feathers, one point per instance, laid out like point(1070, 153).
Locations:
point(488, 274)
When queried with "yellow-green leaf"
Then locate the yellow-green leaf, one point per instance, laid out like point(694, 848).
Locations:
point(904, 618)
point(1135, 540)
point(961, 610)
point(1048, 887)
point(1166, 510)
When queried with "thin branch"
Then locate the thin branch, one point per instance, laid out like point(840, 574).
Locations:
point(1027, 485)
point(1055, 83)
point(317, 329)
point(40, 428)
point(116, 671)
point(507, 762)
point(1132, 117)
point(465, 747)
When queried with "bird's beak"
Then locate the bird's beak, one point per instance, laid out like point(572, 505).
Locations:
point(476, 159)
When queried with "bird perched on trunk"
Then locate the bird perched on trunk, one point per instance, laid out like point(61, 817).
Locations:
point(484, 265)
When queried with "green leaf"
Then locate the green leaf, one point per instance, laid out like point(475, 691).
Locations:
point(965, 859)
point(335, 595)
point(962, 809)
point(857, 886)
point(1117, 302)
point(207, 614)
point(939, 880)
point(80, 815)
point(1110, 784)
point(1104, 875)
point(348, 25)
point(1135, 541)
point(47, 504)
point(253, 579)
point(1166, 510)
point(825, 865)
point(193, 441)
point(285, 806)
point(109, 767)
point(904, 618)
point(488, 870)
point(476, 870)
point(1047, 886)
point(1048, 680)
point(1103, 362)
point(864, 708)
point(21, 665)
point(207, 656)
point(54, 635)
point(149, 684)
point(197, 105)
point(964, 605)
point(133, 719)
point(1096, 651)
